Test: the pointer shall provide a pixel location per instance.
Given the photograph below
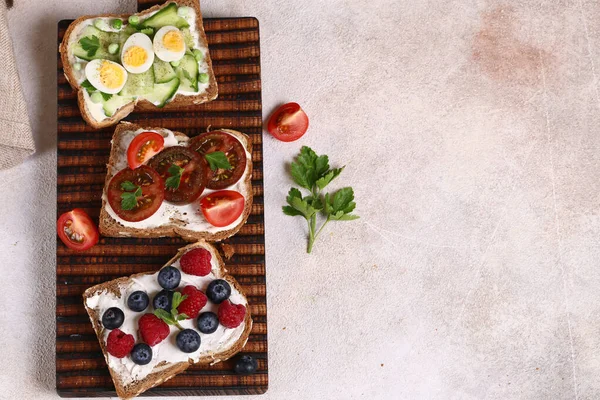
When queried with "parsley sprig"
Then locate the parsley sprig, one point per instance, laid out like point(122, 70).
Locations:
point(218, 159)
point(173, 317)
point(130, 195)
point(312, 172)
point(90, 44)
point(174, 180)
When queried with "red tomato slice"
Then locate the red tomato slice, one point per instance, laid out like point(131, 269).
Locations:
point(77, 230)
point(144, 178)
point(288, 123)
point(223, 207)
point(143, 147)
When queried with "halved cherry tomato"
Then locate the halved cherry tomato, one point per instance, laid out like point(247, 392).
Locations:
point(223, 207)
point(77, 230)
point(152, 188)
point(143, 147)
point(288, 123)
point(193, 178)
point(210, 142)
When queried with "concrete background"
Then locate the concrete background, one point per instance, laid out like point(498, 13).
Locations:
point(470, 132)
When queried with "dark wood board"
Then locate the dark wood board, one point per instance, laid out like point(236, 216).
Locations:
point(82, 156)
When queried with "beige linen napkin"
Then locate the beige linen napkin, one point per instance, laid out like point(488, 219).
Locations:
point(16, 140)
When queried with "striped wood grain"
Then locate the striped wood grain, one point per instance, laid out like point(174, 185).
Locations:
point(82, 155)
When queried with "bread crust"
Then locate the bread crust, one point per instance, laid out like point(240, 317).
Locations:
point(112, 228)
point(209, 94)
point(164, 374)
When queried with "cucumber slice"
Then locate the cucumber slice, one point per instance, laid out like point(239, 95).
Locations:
point(105, 39)
point(188, 38)
point(164, 17)
point(163, 92)
point(163, 71)
point(138, 84)
point(188, 73)
point(111, 105)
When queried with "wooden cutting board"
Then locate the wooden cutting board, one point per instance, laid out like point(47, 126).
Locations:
point(82, 156)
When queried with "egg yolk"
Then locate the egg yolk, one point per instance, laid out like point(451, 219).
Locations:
point(173, 41)
point(135, 56)
point(111, 75)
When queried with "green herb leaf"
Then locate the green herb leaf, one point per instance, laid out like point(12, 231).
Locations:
point(129, 199)
point(328, 177)
point(88, 86)
point(174, 180)
point(177, 299)
point(339, 206)
point(165, 316)
point(300, 205)
point(128, 186)
point(181, 317)
point(217, 160)
point(90, 44)
point(106, 96)
point(189, 77)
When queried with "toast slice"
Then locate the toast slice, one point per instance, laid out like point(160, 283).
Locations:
point(67, 58)
point(130, 380)
point(178, 225)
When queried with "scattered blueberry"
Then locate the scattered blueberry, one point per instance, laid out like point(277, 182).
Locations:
point(218, 291)
point(163, 299)
point(169, 278)
point(188, 340)
point(141, 354)
point(208, 322)
point(245, 365)
point(113, 318)
point(138, 301)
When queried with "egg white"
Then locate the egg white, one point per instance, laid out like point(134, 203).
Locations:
point(159, 48)
point(92, 74)
point(143, 41)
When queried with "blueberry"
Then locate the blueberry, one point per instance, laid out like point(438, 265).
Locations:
point(138, 301)
point(208, 322)
point(141, 354)
point(188, 340)
point(169, 278)
point(113, 318)
point(245, 365)
point(218, 291)
point(163, 300)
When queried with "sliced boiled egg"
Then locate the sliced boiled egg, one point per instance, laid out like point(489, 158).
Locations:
point(106, 76)
point(169, 44)
point(137, 55)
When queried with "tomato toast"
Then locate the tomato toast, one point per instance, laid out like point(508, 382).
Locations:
point(195, 188)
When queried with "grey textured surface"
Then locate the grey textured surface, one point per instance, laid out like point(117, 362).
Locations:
point(470, 131)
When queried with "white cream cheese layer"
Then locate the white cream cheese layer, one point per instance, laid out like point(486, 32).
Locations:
point(96, 109)
point(186, 216)
point(166, 350)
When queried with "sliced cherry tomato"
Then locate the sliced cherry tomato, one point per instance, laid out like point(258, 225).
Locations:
point(193, 177)
point(210, 142)
point(223, 207)
point(288, 123)
point(125, 184)
point(77, 230)
point(143, 147)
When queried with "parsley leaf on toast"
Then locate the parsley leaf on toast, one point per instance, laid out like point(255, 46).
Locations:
point(218, 159)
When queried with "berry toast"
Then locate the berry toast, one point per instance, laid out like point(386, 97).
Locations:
point(152, 326)
point(196, 188)
point(156, 58)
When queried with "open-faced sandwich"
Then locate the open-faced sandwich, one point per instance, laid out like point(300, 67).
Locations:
point(155, 58)
point(153, 326)
point(163, 183)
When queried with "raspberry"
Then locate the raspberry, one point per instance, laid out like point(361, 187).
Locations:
point(119, 344)
point(231, 315)
point(193, 303)
point(196, 262)
point(153, 329)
